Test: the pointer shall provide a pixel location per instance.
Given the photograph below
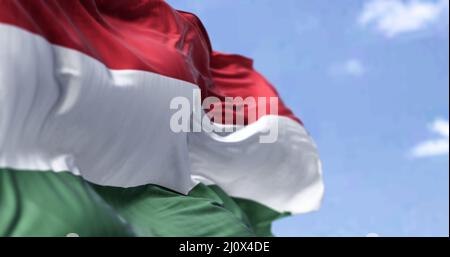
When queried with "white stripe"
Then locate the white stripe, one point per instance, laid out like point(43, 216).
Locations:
point(285, 175)
point(62, 110)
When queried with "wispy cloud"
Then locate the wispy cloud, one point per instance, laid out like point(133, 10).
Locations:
point(393, 17)
point(434, 147)
point(351, 67)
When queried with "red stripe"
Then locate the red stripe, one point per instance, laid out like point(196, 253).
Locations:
point(151, 40)
point(143, 35)
point(234, 76)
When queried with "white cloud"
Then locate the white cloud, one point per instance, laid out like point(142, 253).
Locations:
point(434, 147)
point(352, 67)
point(393, 17)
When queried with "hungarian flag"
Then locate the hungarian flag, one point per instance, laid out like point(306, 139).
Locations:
point(94, 138)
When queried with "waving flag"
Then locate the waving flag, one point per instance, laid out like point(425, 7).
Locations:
point(86, 144)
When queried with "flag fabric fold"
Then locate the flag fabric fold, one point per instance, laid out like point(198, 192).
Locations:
point(86, 145)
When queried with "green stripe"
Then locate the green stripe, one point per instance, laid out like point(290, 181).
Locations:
point(56, 204)
point(260, 216)
point(154, 210)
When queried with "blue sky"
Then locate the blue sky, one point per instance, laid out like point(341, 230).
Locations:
point(370, 80)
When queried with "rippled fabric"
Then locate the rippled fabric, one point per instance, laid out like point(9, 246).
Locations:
point(61, 204)
point(85, 90)
point(54, 204)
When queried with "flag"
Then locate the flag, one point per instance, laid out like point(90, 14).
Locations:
point(87, 144)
